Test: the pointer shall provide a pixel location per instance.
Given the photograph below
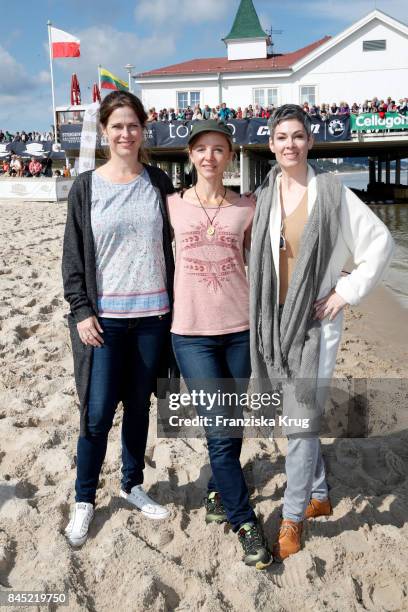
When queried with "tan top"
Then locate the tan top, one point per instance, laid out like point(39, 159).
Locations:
point(293, 226)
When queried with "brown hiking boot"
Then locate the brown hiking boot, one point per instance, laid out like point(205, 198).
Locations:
point(288, 540)
point(316, 507)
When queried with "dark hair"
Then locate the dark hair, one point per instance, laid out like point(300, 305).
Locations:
point(119, 99)
point(287, 112)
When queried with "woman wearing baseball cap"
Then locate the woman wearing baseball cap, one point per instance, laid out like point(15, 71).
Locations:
point(210, 329)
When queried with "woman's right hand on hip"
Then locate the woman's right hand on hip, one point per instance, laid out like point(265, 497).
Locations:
point(89, 330)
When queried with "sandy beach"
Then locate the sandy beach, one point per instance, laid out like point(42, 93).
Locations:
point(356, 559)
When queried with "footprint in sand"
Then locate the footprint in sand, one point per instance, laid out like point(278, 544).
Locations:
point(349, 468)
point(26, 332)
point(7, 558)
point(299, 569)
point(397, 468)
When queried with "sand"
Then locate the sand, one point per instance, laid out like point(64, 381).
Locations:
point(356, 559)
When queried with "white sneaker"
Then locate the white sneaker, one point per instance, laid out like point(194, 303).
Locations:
point(139, 498)
point(77, 528)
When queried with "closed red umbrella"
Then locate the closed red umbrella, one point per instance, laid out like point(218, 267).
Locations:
point(96, 94)
point(75, 91)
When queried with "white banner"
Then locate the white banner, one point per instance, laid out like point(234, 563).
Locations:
point(35, 189)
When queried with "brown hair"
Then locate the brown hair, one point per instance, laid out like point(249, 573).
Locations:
point(119, 99)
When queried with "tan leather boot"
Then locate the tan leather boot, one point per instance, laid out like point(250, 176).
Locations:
point(288, 542)
point(316, 507)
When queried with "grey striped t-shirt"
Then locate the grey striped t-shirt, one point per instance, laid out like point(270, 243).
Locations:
point(127, 227)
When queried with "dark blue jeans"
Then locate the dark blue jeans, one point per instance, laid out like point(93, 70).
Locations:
point(124, 368)
point(220, 357)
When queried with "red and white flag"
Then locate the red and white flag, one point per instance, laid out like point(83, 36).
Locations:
point(64, 44)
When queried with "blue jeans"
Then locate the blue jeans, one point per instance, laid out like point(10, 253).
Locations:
point(305, 474)
point(220, 357)
point(124, 368)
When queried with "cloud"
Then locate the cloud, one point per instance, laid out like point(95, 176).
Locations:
point(13, 77)
point(161, 12)
point(44, 76)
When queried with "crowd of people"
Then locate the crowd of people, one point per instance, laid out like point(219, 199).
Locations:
point(16, 166)
point(25, 136)
point(225, 113)
point(324, 110)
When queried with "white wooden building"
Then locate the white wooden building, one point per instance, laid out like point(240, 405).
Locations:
point(367, 59)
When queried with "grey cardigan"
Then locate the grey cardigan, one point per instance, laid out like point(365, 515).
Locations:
point(79, 275)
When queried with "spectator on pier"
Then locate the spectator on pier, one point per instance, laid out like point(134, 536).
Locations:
point(382, 109)
point(2, 136)
point(403, 106)
point(152, 115)
point(207, 112)
point(334, 109)
point(375, 102)
point(306, 107)
point(34, 167)
point(344, 108)
point(188, 113)
point(197, 114)
point(214, 114)
point(223, 112)
point(249, 112)
point(314, 110)
point(17, 137)
point(180, 116)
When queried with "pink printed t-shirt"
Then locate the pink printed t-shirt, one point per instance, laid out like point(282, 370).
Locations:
point(211, 295)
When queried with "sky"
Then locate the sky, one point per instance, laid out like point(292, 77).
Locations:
point(146, 33)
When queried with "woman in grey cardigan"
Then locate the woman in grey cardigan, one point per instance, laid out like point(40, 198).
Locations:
point(306, 227)
point(118, 274)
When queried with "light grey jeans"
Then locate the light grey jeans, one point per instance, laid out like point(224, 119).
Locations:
point(306, 476)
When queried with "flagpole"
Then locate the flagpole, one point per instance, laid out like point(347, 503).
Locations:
point(99, 77)
point(52, 82)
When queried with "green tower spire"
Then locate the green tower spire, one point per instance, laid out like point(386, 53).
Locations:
point(246, 24)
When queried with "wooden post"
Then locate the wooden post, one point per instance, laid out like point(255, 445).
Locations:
point(371, 179)
point(387, 170)
point(398, 172)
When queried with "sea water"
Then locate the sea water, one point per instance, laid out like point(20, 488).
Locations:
point(395, 217)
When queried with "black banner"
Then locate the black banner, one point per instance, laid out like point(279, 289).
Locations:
point(174, 135)
point(30, 149)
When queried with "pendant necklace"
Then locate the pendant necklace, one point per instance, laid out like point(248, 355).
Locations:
point(211, 228)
